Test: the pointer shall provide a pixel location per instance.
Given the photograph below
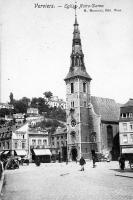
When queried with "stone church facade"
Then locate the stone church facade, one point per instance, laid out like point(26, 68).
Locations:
point(92, 122)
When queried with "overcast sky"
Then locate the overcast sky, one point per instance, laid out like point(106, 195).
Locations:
point(36, 45)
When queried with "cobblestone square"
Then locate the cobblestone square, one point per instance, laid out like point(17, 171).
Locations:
point(58, 181)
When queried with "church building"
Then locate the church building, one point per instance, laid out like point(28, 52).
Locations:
point(92, 122)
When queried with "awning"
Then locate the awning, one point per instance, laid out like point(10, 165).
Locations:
point(21, 152)
point(6, 152)
point(41, 152)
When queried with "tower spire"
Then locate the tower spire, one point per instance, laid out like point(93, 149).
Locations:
point(76, 22)
point(77, 67)
point(76, 30)
point(77, 57)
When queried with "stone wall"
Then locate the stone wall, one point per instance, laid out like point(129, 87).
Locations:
point(104, 143)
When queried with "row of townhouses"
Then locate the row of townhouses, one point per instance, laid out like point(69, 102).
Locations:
point(19, 139)
point(27, 140)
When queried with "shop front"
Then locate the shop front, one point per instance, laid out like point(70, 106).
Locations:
point(44, 155)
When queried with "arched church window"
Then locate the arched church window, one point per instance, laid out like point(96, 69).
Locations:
point(73, 136)
point(93, 137)
point(109, 136)
point(81, 61)
point(84, 87)
point(72, 104)
point(76, 61)
point(72, 87)
point(72, 61)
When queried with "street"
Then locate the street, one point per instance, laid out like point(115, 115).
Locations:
point(58, 181)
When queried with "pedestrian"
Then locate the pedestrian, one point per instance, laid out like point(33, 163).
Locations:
point(82, 163)
point(59, 157)
point(93, 157)
point(37, 161)
point(66, 161)
point(121, 162)
point(93, 160)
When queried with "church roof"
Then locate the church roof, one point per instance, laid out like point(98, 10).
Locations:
point(107, 108)
point(77, 72)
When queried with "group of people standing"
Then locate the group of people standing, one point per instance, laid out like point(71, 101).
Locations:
point(82, 161)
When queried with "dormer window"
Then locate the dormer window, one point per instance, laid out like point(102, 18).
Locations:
point(131, 115)
point(124, 115)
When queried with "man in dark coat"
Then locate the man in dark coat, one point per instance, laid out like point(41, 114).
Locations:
point(82, 163)
point(37, 161)
point(122, 162)
point(93, 157)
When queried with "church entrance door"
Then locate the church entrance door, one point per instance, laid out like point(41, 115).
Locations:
point(74, 154)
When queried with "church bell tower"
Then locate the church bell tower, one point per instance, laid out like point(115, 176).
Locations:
point(78, 100)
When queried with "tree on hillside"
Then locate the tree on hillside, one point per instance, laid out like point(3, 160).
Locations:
point(26, 101)
point(58, 113)
point(48, 95)
point(50, 124)
point(19, 106)
point(34, 102)
point(4, 111)
point(40, 103)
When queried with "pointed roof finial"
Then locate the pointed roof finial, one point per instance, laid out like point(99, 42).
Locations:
point(76, 22)
point(75, 8)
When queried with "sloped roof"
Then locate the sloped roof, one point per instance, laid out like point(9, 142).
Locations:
point(23, 128)
point(107, 108)
point(60, 130)
point(77, 72)
point(129, 103)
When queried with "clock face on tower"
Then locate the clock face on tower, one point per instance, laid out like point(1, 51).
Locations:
point(73, 122)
